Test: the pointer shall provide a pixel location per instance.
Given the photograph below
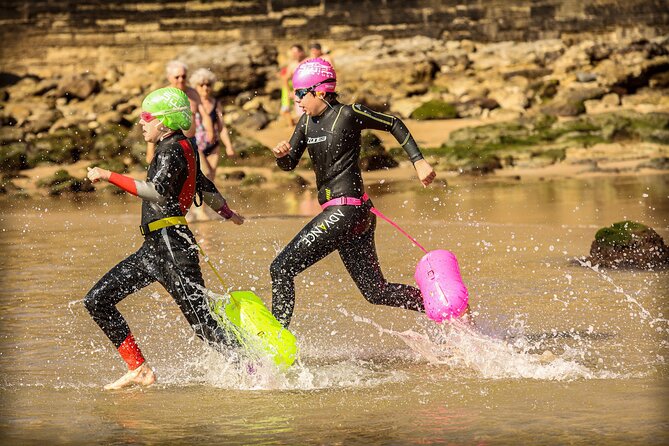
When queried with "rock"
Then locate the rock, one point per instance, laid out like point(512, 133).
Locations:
point(80, 87)
point(504, 114)
point(62, 181)
point(424, 71)
point(481, 166)
point(14, 157)
point(435, 109)
point(373, 155)
point(661, 163)
point(253, 179)
point(235, 175)
point(42, 119)
point(62, 146)
point(11, 133)
point(475, 106)
point(109, 142)
point(17, 112)
point(586, 77)
point(289, 180)
point(565, 107)
point(241, 66)
point(44, 86)
point(68, 122)
point(544, 90)
point(7, 79)
point(510, 98)
point(404, 107)
point(255, 119)
point(607, 103)
point(659, 80)
point(629, 244)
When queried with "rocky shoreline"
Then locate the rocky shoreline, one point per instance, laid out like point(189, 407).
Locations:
point(475, 108)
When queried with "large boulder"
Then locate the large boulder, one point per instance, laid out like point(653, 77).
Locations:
point(373, 155)
point(242, 66)
point(628, 244)
point(80, 87)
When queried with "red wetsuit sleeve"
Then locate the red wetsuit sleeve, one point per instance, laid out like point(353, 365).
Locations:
point(130, 352)
point(126, 183)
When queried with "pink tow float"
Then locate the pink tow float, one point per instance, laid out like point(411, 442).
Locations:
point(445, 296)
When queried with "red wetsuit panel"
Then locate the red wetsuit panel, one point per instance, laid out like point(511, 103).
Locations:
point(125, 183)
point(131, 353)
point(188, 190)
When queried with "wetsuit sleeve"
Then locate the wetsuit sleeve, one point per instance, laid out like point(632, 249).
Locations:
point(370, 119)
point(143, 189)
point(298, 143)
point(212, 197)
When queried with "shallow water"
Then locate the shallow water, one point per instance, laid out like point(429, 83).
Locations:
point(367, 375)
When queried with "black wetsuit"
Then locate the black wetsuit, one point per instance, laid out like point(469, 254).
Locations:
point(333, 142)
point(169, 255)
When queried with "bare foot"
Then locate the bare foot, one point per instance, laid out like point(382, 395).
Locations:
point(142, 375)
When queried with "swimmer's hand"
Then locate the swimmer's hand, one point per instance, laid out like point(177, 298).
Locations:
point(96, 174)
point(237, 219)
point(281, 149)
point(425, 172)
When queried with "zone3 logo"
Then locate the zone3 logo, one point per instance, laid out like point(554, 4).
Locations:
point(318, 139)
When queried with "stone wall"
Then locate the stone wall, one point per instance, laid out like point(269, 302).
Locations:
point(42, 33)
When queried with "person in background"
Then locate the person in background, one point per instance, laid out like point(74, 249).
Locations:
point(177, 76)
point(316, 51)
point(297, 55)
point(169, 254)
point(210, 152)
point(286, 101)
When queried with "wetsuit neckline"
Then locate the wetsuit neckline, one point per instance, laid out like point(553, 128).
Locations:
point(328, 109)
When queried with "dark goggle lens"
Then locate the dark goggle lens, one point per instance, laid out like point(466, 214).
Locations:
point(300, 93)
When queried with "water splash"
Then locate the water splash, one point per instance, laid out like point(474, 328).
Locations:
point(459, 345)
point(633, 304)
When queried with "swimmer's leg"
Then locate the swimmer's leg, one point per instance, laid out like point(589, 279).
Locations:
point(125, 278)
point(362, 263)
point(180, 274)
point(309, 246)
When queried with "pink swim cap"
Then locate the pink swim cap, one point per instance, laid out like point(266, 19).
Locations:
point(313, 71)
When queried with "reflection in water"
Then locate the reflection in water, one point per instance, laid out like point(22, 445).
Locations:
point(365, 374)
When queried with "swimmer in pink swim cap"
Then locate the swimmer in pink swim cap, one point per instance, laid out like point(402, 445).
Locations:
point(331, 133)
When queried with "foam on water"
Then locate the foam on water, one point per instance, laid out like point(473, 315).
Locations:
point(458, 345)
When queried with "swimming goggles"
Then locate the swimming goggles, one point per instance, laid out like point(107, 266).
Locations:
point(300, 93)
point(148, 117)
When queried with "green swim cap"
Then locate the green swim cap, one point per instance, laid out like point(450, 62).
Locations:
point(170, 106)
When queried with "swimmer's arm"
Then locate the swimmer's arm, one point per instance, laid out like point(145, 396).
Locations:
point(371, 119)
point(142, 189)
point(213, 198)
point(288, 154)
